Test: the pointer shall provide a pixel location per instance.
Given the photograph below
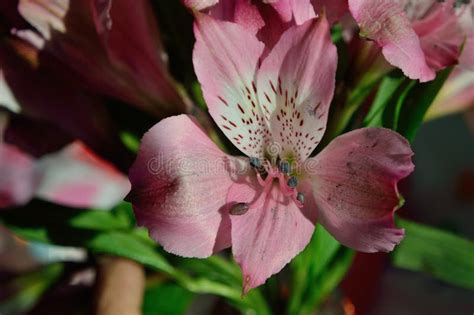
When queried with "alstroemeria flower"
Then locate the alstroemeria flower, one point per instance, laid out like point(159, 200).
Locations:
point(113, 46)
point(419, 37)
point(73, 176)
point(196, 200)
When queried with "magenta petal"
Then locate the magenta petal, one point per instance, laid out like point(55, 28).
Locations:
point(19, 177)
point(113, 46)
point(179, 187)
point(272, 232)
point(333, 9)
point(385, 22)
point(355, 186)
point(300, 10)
point(76, 177)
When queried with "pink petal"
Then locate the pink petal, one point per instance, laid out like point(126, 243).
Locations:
point(76, 177)
point(355, 186)
point(333, 9)
point(179, 187)
point(241, 12)
point(301, 10)
point(19, 177)
point(456, 95)
point(226, 70)
point(200, 4)
point(441, 36)
point(40, 92)
point(272, 232)
point(115, 49)
point(385, 22)
point(296, 83)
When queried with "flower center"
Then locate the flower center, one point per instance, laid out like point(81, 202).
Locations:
point(267, 172)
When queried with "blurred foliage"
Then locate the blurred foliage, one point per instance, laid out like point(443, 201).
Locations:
point(440, 254)
point(28, 288)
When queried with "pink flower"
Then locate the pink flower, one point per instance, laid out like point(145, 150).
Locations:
point(196, 200)
point(419, 38)
point(113, 46)
point(73, 177)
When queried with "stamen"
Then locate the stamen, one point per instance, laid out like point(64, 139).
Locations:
point(239, 208)
point(256, 164)
point(292, 182)
point(300, 197)
point(285, 167)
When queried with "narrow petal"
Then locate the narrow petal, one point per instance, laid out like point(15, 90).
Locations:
point(199, 5)
point(334, 9)
point(272, 232)
point(226, 70)
point(242, 12)
point(76, 177)
point(355, 186)
point(385, 22)
point(179, 187)
point(300, 10)
point(19, 177)
point(296, 83)
point(456, 95)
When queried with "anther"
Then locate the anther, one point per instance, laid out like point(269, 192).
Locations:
point(239, 208)
point(292, 182)
point(300, 197)
point(255, 162)
point(284, 167)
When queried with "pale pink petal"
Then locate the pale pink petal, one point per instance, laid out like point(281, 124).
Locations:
point(270, 233)
point(456, 95)
point(355, 186)
point(296, 85)
point(385, 22)
point(179, 187)
point(18, 177)
point(333, 9)
point(200, 4)
point(76, 177)
point(467, 57)
point(226, 70)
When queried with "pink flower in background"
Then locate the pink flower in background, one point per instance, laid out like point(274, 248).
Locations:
point(196, 200)
point(113, 46)
point(73, 177)
point(418, 37)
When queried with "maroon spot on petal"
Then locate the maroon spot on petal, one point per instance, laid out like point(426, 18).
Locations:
point(223, 101)
point(241, 109)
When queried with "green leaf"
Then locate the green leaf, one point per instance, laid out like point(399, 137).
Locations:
point(327, 281)
point(418, 101)
point(309, 267)
point(127, 245)
point(386, 91)
point(401, 103)
point(440, 254)
point(166, 298)
point(28, 289)
point(97, 220)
